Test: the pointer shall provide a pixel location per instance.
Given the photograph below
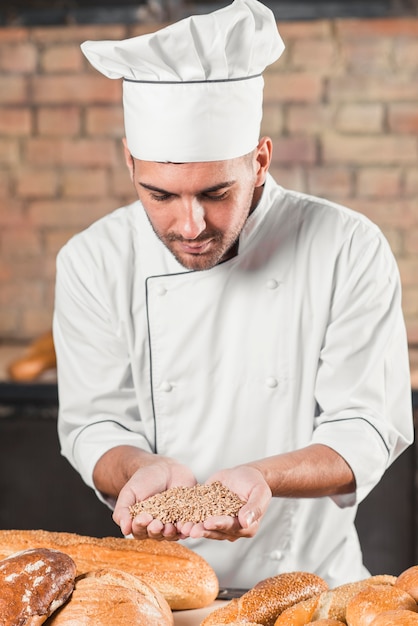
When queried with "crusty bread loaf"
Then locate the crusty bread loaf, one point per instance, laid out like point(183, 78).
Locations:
point(264, 602)
point(327, 622)
point(408, 581)
point(111, 597)
point(33, 584)
point(183, 577)
point(401, 617)
point(329, 604)
point(364, 607)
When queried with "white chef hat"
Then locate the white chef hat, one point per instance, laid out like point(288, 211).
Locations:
point(193, 91)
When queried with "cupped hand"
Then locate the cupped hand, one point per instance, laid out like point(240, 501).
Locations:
point(249, 484)
point(147, 481)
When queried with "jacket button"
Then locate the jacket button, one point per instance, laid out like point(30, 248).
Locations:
point(272, 382)
point(161, 290)
point(272, 283)
point(166, 386)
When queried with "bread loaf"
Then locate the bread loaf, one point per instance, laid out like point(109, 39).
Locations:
point(264, 602)
point(364, 607)
point(408, 581)
point(33, 584)
point(327, 622)
point(110, 598)
point(401, 617)
point(184, 578)
point(329, 604)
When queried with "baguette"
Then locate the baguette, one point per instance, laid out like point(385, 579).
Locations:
point(33, 584)
point(183, 577)
point(329, 604)
point(112, 597)
point(264, 602)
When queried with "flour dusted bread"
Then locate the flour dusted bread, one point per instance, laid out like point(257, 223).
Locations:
point(111, 597)
point(33, 584)
point(183, 577)
point(264, 602)
point(365, 606)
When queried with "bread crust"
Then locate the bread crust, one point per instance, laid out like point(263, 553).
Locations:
point(270, 597)
point(401, 617)
point(33, 584)
point(364, 607)
point(166, 566)
point(408, 581)
point(113, 597)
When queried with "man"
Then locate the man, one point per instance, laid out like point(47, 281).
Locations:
point(224, 328)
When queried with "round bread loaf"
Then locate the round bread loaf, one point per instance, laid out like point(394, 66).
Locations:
point(329, 604)
point(401, 617)
point(374, 599)
point(184, 578)
point(33, 584)
point(327, 622)
point(112, 597)
point(408, 581)
point(263, 603)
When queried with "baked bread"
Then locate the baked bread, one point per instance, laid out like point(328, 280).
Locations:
point(264, 602)
point(33, 584)
point(408, 581)
point(327, 622)
point(364, 607)
point(401, 617)
point(183, 577)
point(38, 358)
point(329, 604)
point(111, 597)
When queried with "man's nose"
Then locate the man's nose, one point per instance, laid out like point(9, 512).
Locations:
point(192, 221)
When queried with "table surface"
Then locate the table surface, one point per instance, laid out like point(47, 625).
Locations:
point(195, 617)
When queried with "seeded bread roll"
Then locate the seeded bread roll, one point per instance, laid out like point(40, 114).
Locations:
point(264, 602)
point(330, 604)
point(111, 597)
point(365, 606)
point(183, 577)
point(33, 584)
point(401, 617)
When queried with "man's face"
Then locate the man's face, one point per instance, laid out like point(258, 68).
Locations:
point(197, 209)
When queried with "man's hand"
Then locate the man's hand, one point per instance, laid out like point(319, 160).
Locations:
point(248, 483)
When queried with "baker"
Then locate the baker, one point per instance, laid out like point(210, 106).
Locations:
point(223, 327)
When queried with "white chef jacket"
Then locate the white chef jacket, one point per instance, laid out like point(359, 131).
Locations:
point(299, 339)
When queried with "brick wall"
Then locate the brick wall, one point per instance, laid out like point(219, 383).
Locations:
point(341, 106)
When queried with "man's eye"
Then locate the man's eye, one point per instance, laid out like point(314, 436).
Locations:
point(160, 197)
point(217, 196)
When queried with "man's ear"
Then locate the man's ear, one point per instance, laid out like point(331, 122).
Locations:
point(129, 160)
point(263, 154)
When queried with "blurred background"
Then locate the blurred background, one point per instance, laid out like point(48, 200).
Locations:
point(341, 105)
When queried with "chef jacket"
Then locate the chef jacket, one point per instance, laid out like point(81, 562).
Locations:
point(299, 339)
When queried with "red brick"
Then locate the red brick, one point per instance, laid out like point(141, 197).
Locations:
point(403, 118)
point(9, 152)
point(85, 183)
point(17, 295)
point(410, 301)
point(367, 55)
point(75, 89)
point(36, 321)
point(20, 58)
point(121, 185)
point(312, 118)
point(406, 54)
point(272, 123)
point(386, 27)
point(379, 182)
point(374, 150)
point(11, 213)
point(408, 268)
point(360, 118)
point(400, 214)
point(294, 87)
point(55, 239)
point(411, 241)
point(69, 213)
point(330, 182)
point(16, 121)
point(5, 184)
point(304, 29)
point(77, 33)
point(62, 58)
point(13, 90)
point(105, 120)
point(395, 240)
point(412, 330)
point(411, 182)
point(58, 121)
point(294, 150)
point(363, 88)
point(37, 183)
point(9, 323)
point(21, 242)
point(13, 34)
point(318, 55)
point(292, 177)
point(67, 152)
